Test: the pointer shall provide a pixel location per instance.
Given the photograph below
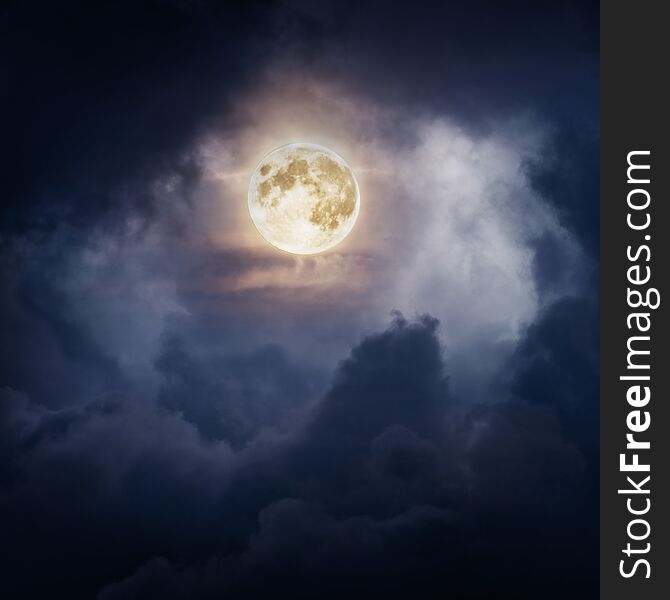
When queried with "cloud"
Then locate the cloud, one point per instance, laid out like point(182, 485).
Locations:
point(389, 489)
point(556, 365)
point(233, 398)
point(90, 489)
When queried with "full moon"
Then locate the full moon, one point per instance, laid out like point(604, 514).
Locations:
point(303, 198)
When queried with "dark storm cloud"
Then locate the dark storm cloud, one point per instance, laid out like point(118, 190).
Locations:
point(388, 488)
point(382, 372)
point(567, 177)
point(556, 366)
point(388, 492)
point(102, 487)
point(232, 398)
point(50, 351)
point(390, 397)
point(41, 296)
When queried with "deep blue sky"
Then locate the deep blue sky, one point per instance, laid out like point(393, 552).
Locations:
point(187, 413)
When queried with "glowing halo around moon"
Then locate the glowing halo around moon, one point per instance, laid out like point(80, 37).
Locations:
point(303, 198)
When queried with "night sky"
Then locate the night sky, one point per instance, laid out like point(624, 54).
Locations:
point(186, 412)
